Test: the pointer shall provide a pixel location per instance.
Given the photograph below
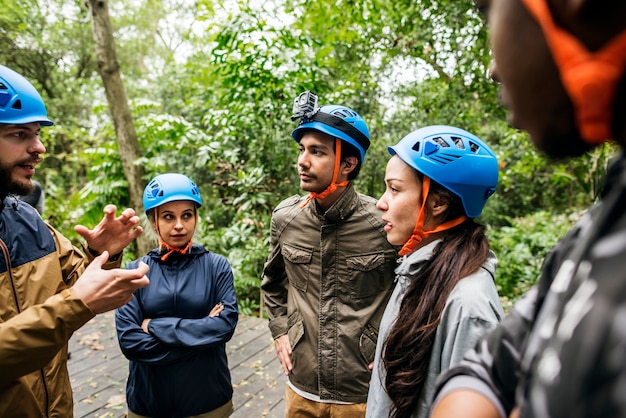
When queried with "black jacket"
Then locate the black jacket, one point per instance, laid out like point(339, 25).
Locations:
point(561, 352)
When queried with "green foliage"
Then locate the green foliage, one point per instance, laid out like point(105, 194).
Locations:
point(521, 247)
point(212, 83)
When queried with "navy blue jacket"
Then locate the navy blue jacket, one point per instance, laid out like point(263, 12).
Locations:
point(180, 368)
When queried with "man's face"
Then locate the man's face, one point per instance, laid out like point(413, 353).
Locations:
point(530, 82)
point(20, 152)
point(316, 161)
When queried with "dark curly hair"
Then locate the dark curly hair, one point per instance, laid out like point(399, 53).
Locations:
point(407, 349)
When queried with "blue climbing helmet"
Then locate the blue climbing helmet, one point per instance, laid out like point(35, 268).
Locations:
point(169, 187)
point(339, 122)
point(20, 102)
point(454, 158)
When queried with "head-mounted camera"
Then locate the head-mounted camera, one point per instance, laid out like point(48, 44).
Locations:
point(305, 106)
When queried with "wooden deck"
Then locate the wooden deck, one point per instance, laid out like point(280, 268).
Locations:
point(98, 371)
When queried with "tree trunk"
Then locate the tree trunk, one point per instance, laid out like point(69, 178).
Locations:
point(127, 142)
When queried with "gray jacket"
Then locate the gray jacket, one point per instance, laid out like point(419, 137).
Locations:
point(472, 308)
point(326, 283)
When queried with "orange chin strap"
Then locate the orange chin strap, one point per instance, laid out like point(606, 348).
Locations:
point(590, 78)
point(162, 244)
point(333, 183)
point(418, 233)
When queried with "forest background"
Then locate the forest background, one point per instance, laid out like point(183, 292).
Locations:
point(206, 88)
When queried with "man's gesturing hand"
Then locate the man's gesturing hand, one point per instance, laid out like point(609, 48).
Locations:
point(105, 290)
point(113, 233)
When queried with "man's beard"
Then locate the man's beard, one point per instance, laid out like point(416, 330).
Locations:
point(8, 186)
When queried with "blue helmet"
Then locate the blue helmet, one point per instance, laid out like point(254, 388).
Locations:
point(454, 158)
point(20, 102)
point(169, 187)
point(339, 122)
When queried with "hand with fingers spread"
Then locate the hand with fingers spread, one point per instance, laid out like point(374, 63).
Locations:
point(105, 290)
point(113, 233)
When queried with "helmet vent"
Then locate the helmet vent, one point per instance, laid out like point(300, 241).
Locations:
point(343, 113)
point(444, 158)
point(155, 189)
point(3, 86)
point(458, 142)
point(17, 105)
point(439, 140)
point(474, 147)
point(416, 146)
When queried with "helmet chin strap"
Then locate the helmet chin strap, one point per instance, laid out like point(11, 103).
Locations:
point(418, 233)
point(590, 78)
point(163, 244)
point(332, 187)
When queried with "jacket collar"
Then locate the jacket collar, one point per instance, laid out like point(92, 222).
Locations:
point(410, 264)
point(194, 250)
point(341, 209)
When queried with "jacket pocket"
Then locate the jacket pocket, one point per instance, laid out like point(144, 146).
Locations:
point(366, 274)
point(367, 342)
point(295, 328)
point(297, 265)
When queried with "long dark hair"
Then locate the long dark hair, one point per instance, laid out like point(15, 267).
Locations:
point(407, 349)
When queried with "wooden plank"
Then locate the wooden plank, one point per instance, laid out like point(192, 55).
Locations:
point(98, 370)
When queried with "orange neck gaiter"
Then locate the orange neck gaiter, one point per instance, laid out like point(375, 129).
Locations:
point(590, 78)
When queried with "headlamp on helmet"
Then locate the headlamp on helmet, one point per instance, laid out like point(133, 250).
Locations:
point(337, 121)
point(305, 106)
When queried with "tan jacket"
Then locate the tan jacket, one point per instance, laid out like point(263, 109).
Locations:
point(38, 314)
point(326, 283)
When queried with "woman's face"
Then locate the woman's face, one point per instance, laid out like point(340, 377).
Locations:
point(176, 222)
point(401, 201)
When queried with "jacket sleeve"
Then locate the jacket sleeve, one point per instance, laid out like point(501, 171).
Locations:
point(275, 286)
point(138, 346)
point(495, 360)
point(30, 340)
point(209, 330)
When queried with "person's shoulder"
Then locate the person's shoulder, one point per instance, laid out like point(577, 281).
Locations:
point(477, 295)
point(209, 256)
point(367, 200)
point(288, 203)
point(367, 207)
point(284, 208)
point(478, 281)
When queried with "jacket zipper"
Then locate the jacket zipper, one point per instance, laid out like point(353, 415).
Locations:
point(7, 259)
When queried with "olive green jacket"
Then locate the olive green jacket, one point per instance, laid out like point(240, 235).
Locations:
point(326, 283)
